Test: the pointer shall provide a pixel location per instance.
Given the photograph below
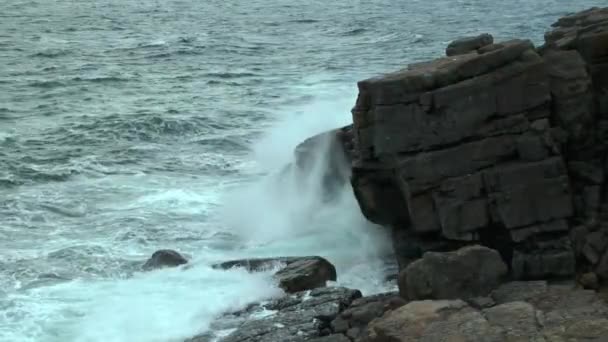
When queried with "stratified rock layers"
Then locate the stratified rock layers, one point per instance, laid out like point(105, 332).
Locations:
point(503, 146)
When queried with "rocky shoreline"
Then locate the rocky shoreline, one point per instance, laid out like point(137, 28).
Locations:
point(488, 166)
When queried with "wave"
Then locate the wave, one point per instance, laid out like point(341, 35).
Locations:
point(47, 84)
point(101, 79)
point(51, 53)
point(230, 75)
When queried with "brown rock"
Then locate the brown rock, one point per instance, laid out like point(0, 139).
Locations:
point(589, 281)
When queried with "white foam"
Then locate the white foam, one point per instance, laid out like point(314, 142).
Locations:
point(274, 216)
point(165, 305)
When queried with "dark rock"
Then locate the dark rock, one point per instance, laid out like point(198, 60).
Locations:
point(164, 258)
point(469, 272)
point(306, 274)
point(259, 264)
point(589, 281)
point(354, 320)
point(299, 317)
point(586, 171)
point(298, 274)
point(518, 291)
point(542, 259)
point(331, 154)
point(468, 44)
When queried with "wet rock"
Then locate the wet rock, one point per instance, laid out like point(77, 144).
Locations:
point(164, 258)
point(468, 44)
point(328, 154)
point(353, 321)
point(306, 274)
point(303, 316)
point(469, 272)
point(297, 274)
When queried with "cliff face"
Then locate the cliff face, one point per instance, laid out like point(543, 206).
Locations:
point(502, 146)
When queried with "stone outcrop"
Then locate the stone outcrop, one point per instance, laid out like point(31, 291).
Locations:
point(304, 316)
point(469, 272)
point(548, 313)
point(164, 258)
point(499, 144)
point(488, 165)
point(353, 321)
point(468, 44)
point(295, 273)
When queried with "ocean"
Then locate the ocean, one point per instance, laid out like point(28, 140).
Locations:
point(128, 126)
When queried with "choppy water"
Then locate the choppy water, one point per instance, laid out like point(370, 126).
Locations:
point(128, 125)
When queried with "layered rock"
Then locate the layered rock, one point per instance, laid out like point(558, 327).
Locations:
point(462, 149)
point(577, 51)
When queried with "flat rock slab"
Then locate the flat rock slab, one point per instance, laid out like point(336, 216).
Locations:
point(545, 313)
point(297, 274)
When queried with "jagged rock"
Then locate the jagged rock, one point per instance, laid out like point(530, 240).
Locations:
point(469, 272)
point(474, 147)
point(353, 321)
point(303, 316)
point(259, 264)
point(468, 44)
point(164, 258)
point(298, 274)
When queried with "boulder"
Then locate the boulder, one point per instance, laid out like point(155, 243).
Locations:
point(164, 258)
point(306, 274)
point(294, 274)
point(469, 272)
point(469, 44)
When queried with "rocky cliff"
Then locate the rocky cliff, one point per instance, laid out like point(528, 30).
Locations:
point(501, 144)
point(488, 166)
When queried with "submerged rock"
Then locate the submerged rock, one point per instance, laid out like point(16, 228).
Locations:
point(164, 258)
point(297, 274)
point(470, 272)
